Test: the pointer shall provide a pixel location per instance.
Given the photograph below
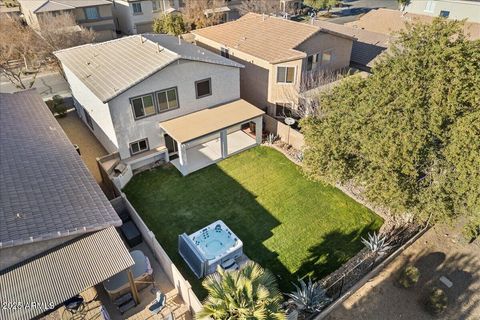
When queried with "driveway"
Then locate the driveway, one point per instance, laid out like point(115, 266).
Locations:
point(47, 84)
point(440, 252)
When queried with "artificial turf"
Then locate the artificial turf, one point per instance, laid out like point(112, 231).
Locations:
point(288, 223)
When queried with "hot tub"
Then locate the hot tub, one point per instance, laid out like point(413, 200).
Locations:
point(205, 249)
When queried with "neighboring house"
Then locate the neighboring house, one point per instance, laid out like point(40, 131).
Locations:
point(451, 9)
point(390, 22)
point(367, 45)
point(136, 16)
point(57, 230)
point(155, 98)
point(92, 14)
point(279, 56)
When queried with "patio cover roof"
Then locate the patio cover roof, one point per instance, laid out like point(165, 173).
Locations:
point(204, 122)
point(62, 273)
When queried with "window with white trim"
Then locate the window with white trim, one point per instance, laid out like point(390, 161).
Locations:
point(327, 56)
point(285, 74)
point(137, 7)
point(143, 106)
point(139, 146)
point(167, 99)
point(91, 13)
point(203, 88)
point(157, 5)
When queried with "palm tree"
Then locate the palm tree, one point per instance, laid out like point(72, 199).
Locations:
point(248, 293)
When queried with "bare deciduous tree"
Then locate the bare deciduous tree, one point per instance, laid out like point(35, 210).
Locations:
point(304, 97)
point(202, 13)
point(260, 6)
point(21, 52)
point(61, 31)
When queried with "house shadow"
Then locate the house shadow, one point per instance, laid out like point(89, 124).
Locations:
point(383, 298)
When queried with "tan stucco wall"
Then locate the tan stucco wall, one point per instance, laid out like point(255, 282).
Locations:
point(342, 49)
point(258, 80)
point(254, 78)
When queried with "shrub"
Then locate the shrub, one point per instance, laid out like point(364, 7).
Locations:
point(309, 297)
point(471, 231)
point(409, 277)
point(437, 301)
point(57, 106)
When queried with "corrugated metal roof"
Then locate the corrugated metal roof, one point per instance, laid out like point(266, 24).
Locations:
point(112, 67)
point(59, 274)
point(203, 122)
point(46, 190)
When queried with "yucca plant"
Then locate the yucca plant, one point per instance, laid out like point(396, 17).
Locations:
point(271, 138)
point(376, 243)
point(248, 293)
point(309, 297)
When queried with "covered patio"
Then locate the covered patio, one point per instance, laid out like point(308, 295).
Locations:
point(208, 136)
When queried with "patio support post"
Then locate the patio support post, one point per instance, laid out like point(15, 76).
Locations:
point(133, 286)
point(258, 129)
point(182, 154)
point(223, 143)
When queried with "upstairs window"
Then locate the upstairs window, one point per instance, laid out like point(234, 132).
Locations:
point(203, 88)
point(285, 74)
point(92, 13)
point(139, 146)
point(327, 57)
point(224, 52)
point(444, 14)
point(137, 7)
point(143, 106)
point(167, 99)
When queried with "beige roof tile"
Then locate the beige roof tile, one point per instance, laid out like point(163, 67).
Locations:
point(388, 21)
point(269, 38)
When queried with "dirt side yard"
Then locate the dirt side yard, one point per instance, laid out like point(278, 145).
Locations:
point(439, 252)
point(79, 134)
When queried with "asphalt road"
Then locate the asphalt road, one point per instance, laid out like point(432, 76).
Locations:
point(362, 5)
point(47, 85)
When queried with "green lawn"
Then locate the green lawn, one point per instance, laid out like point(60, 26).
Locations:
point(290, 225)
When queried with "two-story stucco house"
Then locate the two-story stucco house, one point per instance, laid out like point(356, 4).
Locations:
point(156, 98)
point(93, 14)
point(136, 16)
point(451, 9)
point(278, 55)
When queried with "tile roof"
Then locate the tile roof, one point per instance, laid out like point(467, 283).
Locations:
point(200, 123)
point(63, 272)
point(269, 38)
point(112, 67)
point(367, 45)
point(389, 22)
point(45, 189)
point(57, 5)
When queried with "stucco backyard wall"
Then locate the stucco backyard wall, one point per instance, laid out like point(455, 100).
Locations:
point(285, 133)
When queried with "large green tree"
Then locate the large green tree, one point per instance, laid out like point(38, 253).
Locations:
point(408, 134)
point(321, 4)
point(249, 293)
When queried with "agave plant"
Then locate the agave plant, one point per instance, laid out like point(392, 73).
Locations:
point(376, 243)
point(249, 293)
point(271, 138)
point(309, 297)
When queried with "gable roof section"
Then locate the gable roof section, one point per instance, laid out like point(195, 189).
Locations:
point(367, 45)
point(389, 22)
point(268, 38)
point(57, 5)
point(110, 68)
point(46, 190)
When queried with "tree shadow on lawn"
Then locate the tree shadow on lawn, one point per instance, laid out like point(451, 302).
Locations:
point(332, 251)
point(171, 204)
